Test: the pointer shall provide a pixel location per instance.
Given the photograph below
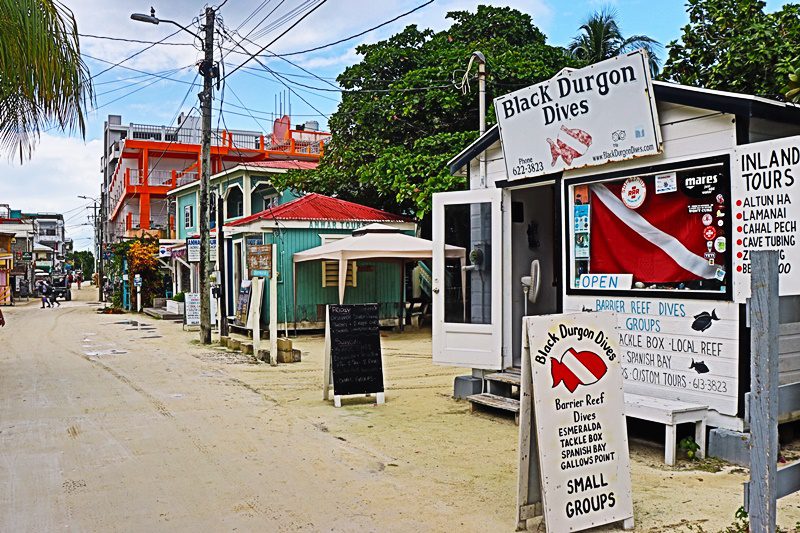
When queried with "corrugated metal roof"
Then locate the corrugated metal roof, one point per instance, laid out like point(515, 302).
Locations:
point(316, 206)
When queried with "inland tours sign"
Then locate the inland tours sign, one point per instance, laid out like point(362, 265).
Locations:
point(586, 117)
point(578, 407)
point(766, 208)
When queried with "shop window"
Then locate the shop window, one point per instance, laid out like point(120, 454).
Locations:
point(667, 231)
point(188, 216)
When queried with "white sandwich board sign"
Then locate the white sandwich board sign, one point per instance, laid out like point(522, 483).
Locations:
point(585, 117)
point(573, 371)
point(192, 309)
point(766, 209)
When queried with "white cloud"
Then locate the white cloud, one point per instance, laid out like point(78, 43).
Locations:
point(61, 169)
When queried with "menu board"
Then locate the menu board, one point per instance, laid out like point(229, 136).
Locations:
point(192, 309)
point(355, 349)
point(766, 210)
point(259, 257)
point(243, 304)
point(580, 421)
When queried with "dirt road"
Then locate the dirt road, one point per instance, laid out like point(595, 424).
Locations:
point(109, 425)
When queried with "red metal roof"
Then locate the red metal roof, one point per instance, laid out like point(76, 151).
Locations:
point(287, 163)
point(320, 207)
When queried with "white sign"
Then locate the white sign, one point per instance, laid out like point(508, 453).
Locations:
point(192, 309)
point(163, 251)
point(137, 280)
point(193, 250)
point(586, 117)
point(580, 420)
point(212, 249)
point(686, 350)
point(765, 211)
point(666, 183)
point(605, 281)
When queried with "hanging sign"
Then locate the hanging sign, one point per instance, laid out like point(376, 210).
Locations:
point(212, 249)
point(586, 117)
point(193, 250)
point(578, 407)
point(191, 316)
point(766, 208)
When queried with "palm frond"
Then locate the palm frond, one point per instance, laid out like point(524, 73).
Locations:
point(43, 79)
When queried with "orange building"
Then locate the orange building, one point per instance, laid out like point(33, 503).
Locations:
point(6, 266)
point(143, 162)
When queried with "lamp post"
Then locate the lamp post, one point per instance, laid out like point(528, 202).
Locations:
point(209, 71)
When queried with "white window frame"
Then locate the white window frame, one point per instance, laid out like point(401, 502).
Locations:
point(330, 269)
point(188, 216)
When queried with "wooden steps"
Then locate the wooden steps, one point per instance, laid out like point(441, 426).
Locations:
point(495, 402)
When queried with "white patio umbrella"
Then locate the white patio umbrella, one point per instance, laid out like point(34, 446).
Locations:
point(375, 241)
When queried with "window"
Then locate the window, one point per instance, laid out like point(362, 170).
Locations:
point(188, 216)
point(234, 203)
point(666, 231)
point(330, 269)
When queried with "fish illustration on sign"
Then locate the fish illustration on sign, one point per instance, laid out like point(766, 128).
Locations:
point(569, 145)
point(702, 321)
point(577, 368)
point(700, 367)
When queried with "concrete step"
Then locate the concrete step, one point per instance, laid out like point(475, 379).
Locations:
point(161, 313)
point(495, 402)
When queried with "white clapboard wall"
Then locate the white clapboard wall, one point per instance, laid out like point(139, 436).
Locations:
point(658, 362)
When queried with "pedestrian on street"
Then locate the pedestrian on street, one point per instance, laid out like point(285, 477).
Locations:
point(41, 286)
point(2, 319)
point(79, 279)
point(52, 296)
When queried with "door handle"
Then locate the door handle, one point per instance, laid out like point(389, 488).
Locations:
point(436, 290)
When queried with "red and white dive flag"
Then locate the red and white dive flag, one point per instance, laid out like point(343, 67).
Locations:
point(658, 242)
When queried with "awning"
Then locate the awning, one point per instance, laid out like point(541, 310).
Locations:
point(375, 241)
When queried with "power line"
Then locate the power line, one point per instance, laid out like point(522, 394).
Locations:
point(157, 75)
point(135, 83)
point(138, 41)
point(118, 63)
point(287, 30)
point(398, 17)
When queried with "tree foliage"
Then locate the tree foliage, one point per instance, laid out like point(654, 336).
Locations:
point(83, 260)
point(401, 118)
point(600, 38)
point(43, 80)
point(734, 45)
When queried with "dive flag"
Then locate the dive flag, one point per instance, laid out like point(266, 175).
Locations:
point(660, 242)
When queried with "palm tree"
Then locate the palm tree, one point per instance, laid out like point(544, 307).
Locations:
point(600, 38)
point(44, 83)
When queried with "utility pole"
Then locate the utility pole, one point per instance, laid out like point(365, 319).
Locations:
point(100, 251)
point(209, 72)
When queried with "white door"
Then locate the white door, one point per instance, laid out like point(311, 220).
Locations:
point(467, 291)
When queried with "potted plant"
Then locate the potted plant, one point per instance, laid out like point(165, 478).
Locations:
point(176, 304)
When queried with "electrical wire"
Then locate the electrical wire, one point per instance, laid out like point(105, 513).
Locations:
point(287, 30)
point(155, 74)
point(138, 41)
point(119, 63)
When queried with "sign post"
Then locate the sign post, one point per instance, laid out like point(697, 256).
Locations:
point(273, 310)
point(576, 426)
point(137, 282)
point(193, 250)
point(764, 392)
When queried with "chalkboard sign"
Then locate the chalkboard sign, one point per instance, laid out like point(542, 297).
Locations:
point(355, 349)
point(243, 304)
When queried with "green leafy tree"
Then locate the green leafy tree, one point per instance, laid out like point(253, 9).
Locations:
point(402, 118)
point(43, 80)
point(734, 45)
point(600, 38)
point(84, 261)
point(792, 88)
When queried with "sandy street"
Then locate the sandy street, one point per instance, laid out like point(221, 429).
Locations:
point(108, 425)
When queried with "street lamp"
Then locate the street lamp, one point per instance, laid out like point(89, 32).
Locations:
point(209, 71)
point(152, 19)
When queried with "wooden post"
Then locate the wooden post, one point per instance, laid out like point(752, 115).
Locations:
point(326, 365)
point(763, 391)
point(273, 308)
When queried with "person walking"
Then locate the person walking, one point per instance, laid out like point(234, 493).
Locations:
point(41, 286)
point(79, 279)
point(52, 296)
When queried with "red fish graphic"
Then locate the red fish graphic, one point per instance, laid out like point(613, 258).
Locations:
point(577, 368)
point(570, 145)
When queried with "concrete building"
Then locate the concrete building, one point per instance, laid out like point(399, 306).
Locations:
point(142, 163)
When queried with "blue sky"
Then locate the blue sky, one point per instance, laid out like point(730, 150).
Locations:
point(65, 166)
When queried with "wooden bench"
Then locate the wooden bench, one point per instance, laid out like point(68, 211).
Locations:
point(670, 413)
